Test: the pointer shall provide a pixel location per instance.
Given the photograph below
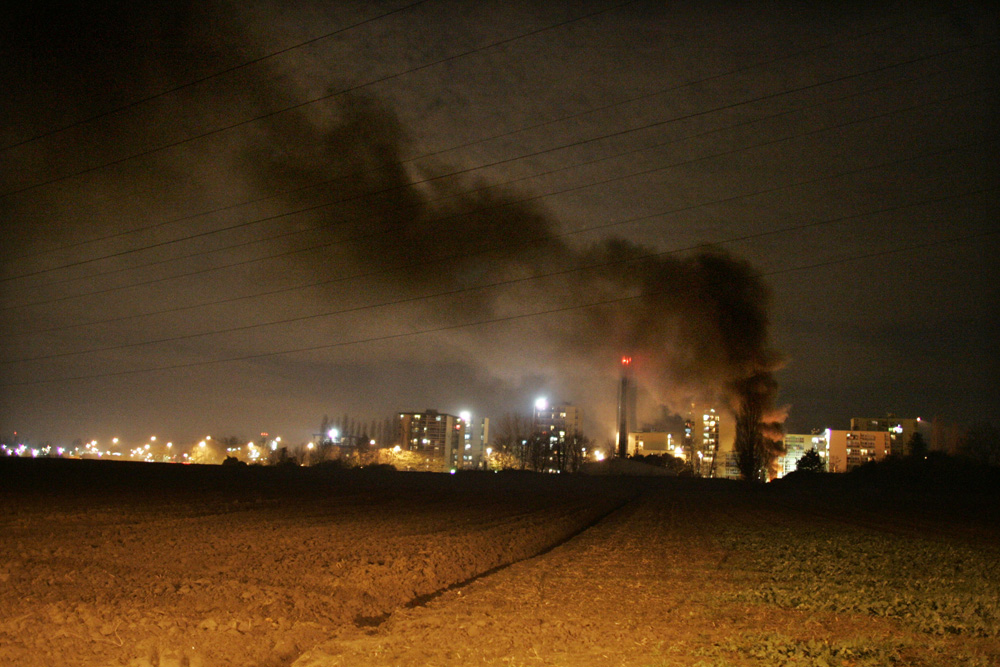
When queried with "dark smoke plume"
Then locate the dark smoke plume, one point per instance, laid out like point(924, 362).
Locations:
point(696, 325)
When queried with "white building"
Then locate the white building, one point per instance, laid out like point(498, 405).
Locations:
point(797, 444)
point(477, 438)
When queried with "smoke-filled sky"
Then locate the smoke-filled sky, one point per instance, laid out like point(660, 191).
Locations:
point(229, 218)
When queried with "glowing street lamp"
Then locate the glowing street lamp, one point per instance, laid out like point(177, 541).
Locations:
point(541, 404)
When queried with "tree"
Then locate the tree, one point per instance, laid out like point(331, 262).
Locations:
point(510, 441)
point(917, 446)
point(367, 453)
point(324, 429)
point(538, 451)
point(572, 451)
point(756, 450)
point(811, 461)
point(672, 463)
point(749, 446)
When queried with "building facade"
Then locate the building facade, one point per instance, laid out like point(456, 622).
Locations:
point(708, 450)
point(646, 443)
point(555, 424)
point(557, 420)
point(797, 444)
point(477, 438)
point(850, 449)
point(438, 437)
point(900, 430)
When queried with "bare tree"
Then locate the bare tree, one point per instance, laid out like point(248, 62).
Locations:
point(510, 440)
point(537, 451)
point(574, 451)
point(755, 450)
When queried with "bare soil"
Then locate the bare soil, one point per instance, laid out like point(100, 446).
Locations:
point(182, 566)
point(651, 585)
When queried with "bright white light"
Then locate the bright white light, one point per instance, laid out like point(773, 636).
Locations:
point(309, 446)
point(114, 441)
point(201, 444)
point(679, 452)
point(169, 445)
point(153, 439)
point(397, 449)
point(465, 416)
point(599, 455)
point(541, 403)
point(333, 433)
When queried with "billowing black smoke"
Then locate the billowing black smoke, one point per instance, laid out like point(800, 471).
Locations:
point(697, 325)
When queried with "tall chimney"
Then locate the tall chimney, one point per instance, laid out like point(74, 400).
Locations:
point(623, 408)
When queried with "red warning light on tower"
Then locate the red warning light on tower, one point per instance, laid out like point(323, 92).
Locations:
point(626, 361)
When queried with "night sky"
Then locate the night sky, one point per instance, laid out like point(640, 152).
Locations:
point(235, 217)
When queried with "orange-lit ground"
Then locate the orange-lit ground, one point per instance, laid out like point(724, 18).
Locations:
point(312, 571)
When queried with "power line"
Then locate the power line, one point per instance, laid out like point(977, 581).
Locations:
point(468, 170)
point(507, 203)
point(548, 237)
point(469, 144)
point(214, 75)
point(494, 320)
point(314, 100)
point(502, 283)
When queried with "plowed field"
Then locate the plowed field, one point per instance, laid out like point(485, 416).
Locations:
point(150, 566)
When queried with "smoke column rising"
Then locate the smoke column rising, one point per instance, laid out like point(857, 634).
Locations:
point(697, 324)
